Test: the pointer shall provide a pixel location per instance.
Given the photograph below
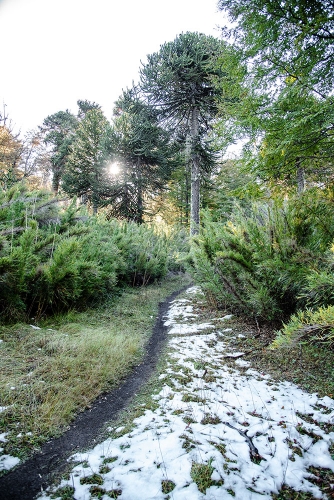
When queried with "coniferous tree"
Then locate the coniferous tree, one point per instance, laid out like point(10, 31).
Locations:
point(141, 148)
point(177, 80)
point(58, 132)
point(86, 163)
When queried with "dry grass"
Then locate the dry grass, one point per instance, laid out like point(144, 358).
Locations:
point(50, 374)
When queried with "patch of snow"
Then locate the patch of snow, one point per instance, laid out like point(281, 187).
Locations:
point(224, 318)
point(184, 329)
point(7, 462)
point(213, 413)
point(235, 354)
point(242, 362)
point(194, 289)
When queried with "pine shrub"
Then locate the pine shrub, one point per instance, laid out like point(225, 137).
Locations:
point(53, 258)
point(315, 327)
point(270, 259)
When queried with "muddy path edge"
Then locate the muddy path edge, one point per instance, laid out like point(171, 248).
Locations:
point(28, 479)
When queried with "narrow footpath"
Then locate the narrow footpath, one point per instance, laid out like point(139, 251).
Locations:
point(34, 475)
point(216, 429)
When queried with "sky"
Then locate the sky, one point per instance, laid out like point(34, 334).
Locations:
point(55, 52)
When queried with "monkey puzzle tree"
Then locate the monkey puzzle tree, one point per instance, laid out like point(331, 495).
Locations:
point(141, 147)
point(58, 132)
point(177, 80)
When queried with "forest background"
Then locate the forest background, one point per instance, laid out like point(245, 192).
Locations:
point(90, 206)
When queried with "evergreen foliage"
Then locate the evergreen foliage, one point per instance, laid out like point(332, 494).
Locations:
point(53, 259)
point(177, 80)
point(308, 326)
point(269, 259)
point(58, 133)
point(143, 153)
point(85, 168)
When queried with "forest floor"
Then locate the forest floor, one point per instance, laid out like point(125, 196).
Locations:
point(217, 420)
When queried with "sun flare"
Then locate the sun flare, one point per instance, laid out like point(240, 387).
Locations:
point(114, 168)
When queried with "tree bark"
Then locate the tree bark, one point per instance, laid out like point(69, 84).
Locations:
point(301, 184)
point(195, 174)
point(140, 209)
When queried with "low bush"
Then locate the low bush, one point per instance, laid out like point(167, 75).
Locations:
point(313, 327)
point(269, 259)
point(53, 258)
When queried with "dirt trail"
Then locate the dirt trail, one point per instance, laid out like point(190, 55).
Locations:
point(27, 480)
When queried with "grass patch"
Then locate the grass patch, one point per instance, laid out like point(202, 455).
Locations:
point(201, 475)
point(210, 419)
point(109, 460)
point(64, 493)
point(324, 478)
point(52, 373)
point(288, 493)
point(114, 493)
point(167, 486)
point(93, 479)
point(192, 398)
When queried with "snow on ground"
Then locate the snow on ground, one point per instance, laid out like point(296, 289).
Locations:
point(220, 431)
point(7, 462)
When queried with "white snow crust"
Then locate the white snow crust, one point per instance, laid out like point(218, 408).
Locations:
point(211, 412)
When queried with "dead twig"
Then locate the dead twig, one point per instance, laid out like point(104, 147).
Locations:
point(254, 452)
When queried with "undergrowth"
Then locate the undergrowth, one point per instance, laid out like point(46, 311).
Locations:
point(52, 372)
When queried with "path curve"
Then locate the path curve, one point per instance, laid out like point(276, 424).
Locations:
point(27, 480)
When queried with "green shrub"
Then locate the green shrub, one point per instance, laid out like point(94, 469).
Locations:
point(51, 259)
point(315, 327)
point(268, 260)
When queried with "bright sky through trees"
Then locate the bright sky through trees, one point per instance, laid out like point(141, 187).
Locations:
point(55, 52)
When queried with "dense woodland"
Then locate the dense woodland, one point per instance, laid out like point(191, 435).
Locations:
point(89, 205)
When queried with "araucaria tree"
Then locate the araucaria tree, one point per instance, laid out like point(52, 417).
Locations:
point(86, 163)
point(58, 133)
point(177, 80)
point(141, 148)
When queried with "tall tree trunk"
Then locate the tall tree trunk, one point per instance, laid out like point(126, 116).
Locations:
point(139, 207)
point(96, 185)
point(55, 180)
point(301, 183)
point(195, 174)
point(188, 159)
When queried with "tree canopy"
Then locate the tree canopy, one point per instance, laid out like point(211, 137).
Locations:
point(141, 148)
point(290, 38)
point(85, 166)
point(177, 80)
